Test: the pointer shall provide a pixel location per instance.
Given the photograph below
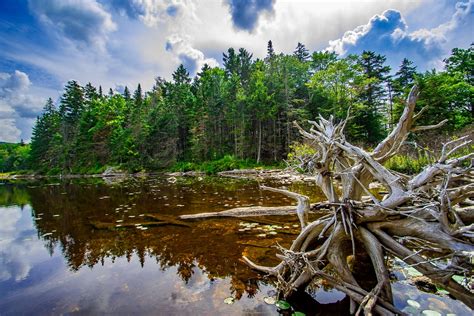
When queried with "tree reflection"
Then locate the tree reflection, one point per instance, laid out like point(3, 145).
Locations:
point(63, 212)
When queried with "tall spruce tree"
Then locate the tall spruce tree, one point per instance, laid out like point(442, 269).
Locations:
point(301, 52)
point(373, 95)
point(42, 140)
point(126, 94)
point(138, 96)
point(270, 50)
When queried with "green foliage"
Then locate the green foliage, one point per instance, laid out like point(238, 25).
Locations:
point(408, 164)
point(14, 157)
point(225, 163)
point(299, 154)
point(240, 115)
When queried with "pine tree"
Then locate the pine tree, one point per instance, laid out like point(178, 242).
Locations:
point(373, 96)
point(90, 94)
point(230, 61)
point(404, 77)
point(301, 52)
point(182, 100)
point(138, 96)
point(245, 66)
point(72, 102)
point(181, 76)
point(42, 141)
point(270, 50)
point(126, 94)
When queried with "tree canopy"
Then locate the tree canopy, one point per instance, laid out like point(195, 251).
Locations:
point(244, 109)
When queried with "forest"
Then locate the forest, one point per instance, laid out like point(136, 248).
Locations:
point(239, 114)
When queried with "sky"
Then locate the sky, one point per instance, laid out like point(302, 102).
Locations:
point(113, 43)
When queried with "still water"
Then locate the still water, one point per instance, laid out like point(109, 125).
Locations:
point(77, 246)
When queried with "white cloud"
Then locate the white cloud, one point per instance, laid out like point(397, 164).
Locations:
point(389, 34)
point(190, 57)
point(132, 36)
point(19, 105)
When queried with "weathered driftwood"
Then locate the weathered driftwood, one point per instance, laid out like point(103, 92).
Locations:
point(251, 211)
point(432, 208)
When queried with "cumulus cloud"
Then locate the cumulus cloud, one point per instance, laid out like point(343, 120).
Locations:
point(245, 13)
point(16, 103)
point(388, 34)
point(83, 21)
point(193, 59)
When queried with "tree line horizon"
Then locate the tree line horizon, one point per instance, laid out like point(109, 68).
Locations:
point(244, 109)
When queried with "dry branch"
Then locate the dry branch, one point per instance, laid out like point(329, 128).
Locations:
point(431, 209)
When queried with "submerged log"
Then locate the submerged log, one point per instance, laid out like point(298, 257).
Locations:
point(157, 220)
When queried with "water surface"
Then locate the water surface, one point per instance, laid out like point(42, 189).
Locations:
point(55, 260)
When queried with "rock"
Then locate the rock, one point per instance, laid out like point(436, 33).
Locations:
point(424, 284)
point(113, 172)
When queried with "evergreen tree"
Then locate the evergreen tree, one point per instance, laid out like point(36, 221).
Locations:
point(72, 102)
point(404, 78)
point(373, 95)
point(90, 94)
point(182, 100)
point(245, 66)
point(181, 76)
point(230, 61)
point(126, 94)
point(270, 50)
point(301, 52)
point(45, 132)
point(138, 96)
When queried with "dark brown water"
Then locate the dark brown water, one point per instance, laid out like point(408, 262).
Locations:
point(54, 259)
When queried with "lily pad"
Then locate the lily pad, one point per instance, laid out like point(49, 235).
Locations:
point(269, 300)
point(412, 272)
point(459, 279)
point(413, 303)
point(283, 305)
point(229, 300)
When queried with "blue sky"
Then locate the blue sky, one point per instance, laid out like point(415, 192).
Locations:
point(113, 43)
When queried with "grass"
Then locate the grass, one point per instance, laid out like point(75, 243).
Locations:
point(225, 163)
point(412, 165)
point(407, 164)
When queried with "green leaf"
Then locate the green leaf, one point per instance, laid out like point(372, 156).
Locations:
point(283, 305)
point(458, 278)
point(298, 314)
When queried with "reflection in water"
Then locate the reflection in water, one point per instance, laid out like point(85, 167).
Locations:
point(206, 256)
point(168, 269)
